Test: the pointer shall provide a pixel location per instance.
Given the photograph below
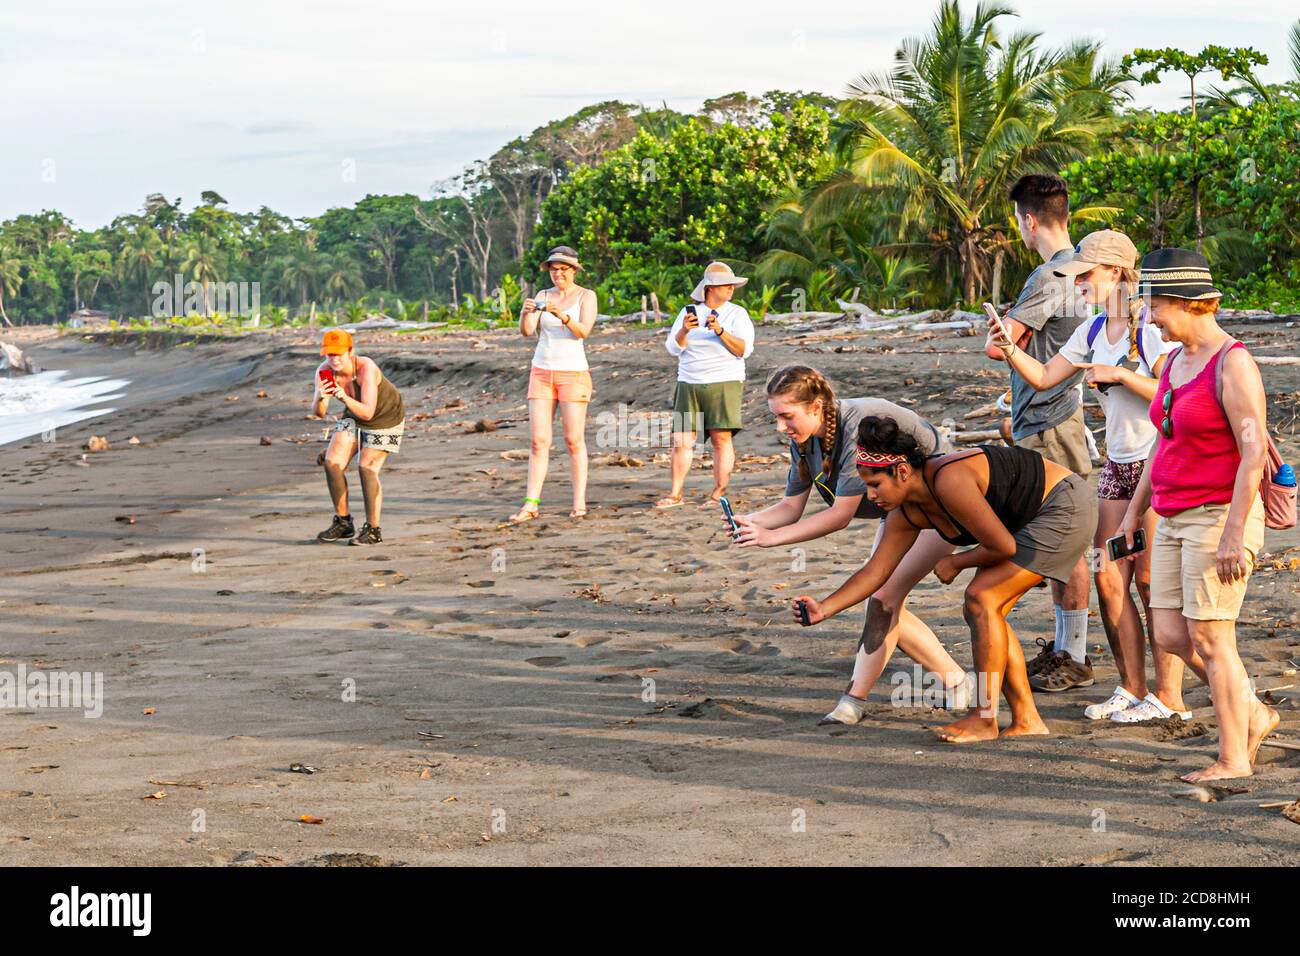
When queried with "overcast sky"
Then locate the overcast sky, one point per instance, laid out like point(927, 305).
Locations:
point(303, 106)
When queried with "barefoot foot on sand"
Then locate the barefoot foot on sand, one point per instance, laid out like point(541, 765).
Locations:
point(1216, 771)
point(968, 730)
point(1022, 728)
point(1263, 721)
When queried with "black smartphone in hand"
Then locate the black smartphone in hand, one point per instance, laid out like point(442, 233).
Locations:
point(803, 614)
point(730, 516)
point(1116, 548)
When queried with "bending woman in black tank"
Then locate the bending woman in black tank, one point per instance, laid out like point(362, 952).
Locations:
point(980, 497)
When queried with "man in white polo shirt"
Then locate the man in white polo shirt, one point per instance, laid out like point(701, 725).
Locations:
point(711, 339)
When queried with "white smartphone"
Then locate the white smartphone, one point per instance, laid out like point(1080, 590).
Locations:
point(993, 314)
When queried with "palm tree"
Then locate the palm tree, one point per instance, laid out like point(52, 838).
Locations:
point(11, 277)
point(140, 253)
point(203, 263)
point(1293, 43)
point(963, 113)
point(341, 277)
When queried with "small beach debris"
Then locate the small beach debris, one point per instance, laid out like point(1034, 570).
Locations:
point(232, 398)
point(1199, 794)
point(264, 441)
point(125, 519)
point(261, 393)
point(301, 768)
point(308, 818)
point(133, 440)
point(1292, 811)
point(515, 454)
point(426, 774)
point(452, 799)
point(149, 711)
point(159, 795)
point(429, 735)
point(97, 443)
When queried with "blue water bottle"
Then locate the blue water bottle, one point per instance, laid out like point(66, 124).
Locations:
point(1285, 476)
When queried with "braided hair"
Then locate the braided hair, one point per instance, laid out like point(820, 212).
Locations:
point(805, 385)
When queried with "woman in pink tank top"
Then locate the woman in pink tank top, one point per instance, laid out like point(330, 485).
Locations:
point(1202, 479)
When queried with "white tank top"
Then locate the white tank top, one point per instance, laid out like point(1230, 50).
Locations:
point(558, 349)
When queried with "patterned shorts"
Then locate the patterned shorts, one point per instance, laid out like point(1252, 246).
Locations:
point(385, 439)
point(1118, 480)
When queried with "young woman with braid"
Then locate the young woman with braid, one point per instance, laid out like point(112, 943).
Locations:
point(1028, 519)
point(821, 430)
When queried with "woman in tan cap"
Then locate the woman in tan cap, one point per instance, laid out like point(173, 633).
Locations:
point(1123, 355)
point(561, 317)
point(711, 341)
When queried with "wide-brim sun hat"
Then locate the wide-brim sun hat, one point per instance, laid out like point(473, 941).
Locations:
point(562, 254)
point(1105, 247)
point(1177, 273)
point(717, 273)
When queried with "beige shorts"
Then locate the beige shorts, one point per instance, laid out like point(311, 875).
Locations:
point(1184, 573)
point(1063, 444)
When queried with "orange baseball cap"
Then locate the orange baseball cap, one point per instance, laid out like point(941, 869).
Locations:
point(336, 342)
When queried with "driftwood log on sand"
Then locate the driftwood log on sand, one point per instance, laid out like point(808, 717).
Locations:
point(12, 359)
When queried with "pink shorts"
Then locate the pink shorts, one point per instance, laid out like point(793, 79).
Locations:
point(559, 386)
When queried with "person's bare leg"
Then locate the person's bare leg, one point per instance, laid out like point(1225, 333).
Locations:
point(541, 424)
point(573, 418)
point(993, 591)
point(1216, 642)
point(890, 624)
point(338, 456)
point(1167, 666)
point(1120, 617)
point(681, 462)
point(724, 460)
point(372, 462)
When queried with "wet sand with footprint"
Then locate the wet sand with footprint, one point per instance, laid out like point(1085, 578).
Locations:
point(627, 688)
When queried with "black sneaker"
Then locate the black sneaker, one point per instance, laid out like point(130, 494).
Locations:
point(367, 535)
point(340, 528)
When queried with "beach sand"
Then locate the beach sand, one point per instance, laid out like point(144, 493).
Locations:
point(525, 654)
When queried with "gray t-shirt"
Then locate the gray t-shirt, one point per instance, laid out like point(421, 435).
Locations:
point(1053, 308)
point(843, 477)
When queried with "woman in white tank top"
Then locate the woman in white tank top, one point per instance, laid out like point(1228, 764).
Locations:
point(561, 317)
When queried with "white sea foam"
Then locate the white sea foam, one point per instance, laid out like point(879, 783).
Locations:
point(41, 403)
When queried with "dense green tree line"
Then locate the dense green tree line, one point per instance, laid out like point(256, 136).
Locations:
point(898, 191)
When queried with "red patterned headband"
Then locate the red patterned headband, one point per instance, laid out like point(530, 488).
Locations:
point(872, 460)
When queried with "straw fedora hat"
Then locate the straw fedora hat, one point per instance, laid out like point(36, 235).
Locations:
point(717, 273)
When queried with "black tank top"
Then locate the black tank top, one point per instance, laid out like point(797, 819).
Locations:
point(1015, 491)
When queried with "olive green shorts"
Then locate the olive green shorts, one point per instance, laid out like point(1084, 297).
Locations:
point(699, 408)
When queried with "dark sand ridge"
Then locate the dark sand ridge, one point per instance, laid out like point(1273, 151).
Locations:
point(532, 674)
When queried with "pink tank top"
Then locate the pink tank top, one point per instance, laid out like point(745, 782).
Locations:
point(1198, 465)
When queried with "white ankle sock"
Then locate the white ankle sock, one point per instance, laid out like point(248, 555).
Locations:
point(1073, 635)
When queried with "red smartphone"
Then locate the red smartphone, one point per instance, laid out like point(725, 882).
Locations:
point(327, 375)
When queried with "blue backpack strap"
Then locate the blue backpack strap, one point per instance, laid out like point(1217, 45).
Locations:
point(1097, 325)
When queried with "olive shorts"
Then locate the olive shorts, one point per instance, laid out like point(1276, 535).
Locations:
point(1063, 444)
point(707, 407)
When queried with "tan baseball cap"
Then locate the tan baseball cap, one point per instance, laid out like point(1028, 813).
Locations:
point(1106, 247)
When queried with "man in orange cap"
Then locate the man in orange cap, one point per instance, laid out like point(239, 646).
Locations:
point(372, 422)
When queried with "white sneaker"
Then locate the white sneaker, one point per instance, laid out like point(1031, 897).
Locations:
point(848, 711)
point(1149, 709)
point(1120, 700)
